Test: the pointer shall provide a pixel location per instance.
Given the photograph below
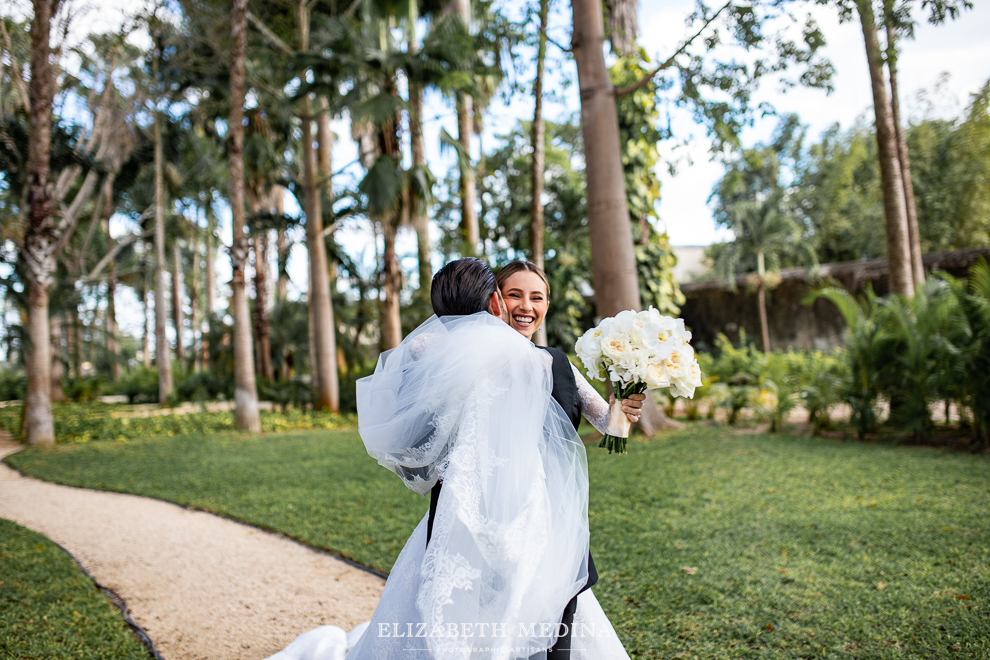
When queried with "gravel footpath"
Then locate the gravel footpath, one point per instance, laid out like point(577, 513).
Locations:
point(200, 585)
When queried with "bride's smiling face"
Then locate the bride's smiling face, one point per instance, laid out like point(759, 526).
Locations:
point(527, 302)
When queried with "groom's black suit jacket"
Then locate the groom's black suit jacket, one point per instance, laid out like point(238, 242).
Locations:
point(565, 393)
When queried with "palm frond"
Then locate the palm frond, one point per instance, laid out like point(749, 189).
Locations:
point(979, 279)
point(850, 310)
point(421, 182)
point(448, 143)
point(377, 109)
point(382, 185)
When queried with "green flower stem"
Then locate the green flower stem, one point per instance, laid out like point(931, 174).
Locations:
point(615, 443)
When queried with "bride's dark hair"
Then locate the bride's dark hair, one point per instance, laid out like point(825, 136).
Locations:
point(462, 287)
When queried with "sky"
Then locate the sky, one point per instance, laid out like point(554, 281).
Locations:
point(960, 48)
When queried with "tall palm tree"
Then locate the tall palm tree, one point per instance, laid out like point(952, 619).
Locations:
point(162, 354)
point(41, 237)
point(246, 392)
point(764, 230)
point(536, 204)
point(373, 60)
point(470, 230)
point(752, 201)
point(322, 327)
point(892, 182)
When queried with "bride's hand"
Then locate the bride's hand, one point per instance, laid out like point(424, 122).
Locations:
point(633, 406)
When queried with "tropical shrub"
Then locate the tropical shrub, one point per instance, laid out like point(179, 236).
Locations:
point(862, 354)
point(295, 392)
point(203, 386)
point(13, 384)
point(915, 354)
point(93, 422)
point(139, 385)
point(972, 365)
point(85, 389)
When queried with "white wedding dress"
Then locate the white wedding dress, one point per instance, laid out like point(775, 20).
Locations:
point(467, 399)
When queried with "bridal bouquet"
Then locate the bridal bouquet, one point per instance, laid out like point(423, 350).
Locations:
point(638, 352)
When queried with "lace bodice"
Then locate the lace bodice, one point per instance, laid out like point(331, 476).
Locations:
point(594, 408)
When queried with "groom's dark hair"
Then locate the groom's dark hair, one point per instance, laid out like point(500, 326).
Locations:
point(462, 287)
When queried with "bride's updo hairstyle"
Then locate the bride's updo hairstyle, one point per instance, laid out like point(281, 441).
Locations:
point(513, 267)
point(462, 287)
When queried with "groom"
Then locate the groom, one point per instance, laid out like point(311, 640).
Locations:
point(467, 286)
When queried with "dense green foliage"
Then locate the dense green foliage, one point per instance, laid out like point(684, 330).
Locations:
point(507, 194)
point(89, 422)
point(753, 200)
point(831, 188)
point(798, 547)
point(914, 354)
point(507, 191)
point(771, 385)
point(50, 609)
point(901, 360)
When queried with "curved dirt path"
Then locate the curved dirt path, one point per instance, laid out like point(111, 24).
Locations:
point(200, 585)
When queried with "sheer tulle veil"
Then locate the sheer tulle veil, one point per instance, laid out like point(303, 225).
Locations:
point(467, 399)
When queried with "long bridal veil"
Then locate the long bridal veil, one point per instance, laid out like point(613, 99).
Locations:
point(467, 400)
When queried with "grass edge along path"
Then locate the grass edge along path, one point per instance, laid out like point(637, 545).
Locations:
point(709, 544)
point(52, 609)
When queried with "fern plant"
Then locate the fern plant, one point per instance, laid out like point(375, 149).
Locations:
point(863, 354)
point(972, 368)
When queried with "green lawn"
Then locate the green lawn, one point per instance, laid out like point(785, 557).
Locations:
point(803, 548)
point(50, 610)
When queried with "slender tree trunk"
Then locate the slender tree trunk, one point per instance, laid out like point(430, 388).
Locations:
point(245, 392)
point(391, 324)
point(262, 329)
point(162, 353)
point(211, 274)
point(177, 313)
point(38, 421)
point(761, 301)
point(536, 205)
point(204, 343)
point(55, 332)
point(898, 244)
point(73, 342)
point(391, 283)
point(914, 237)
point(282, 246)
point(613, 263)
point(282, 285)
point(40, 238)
point(324, 141)
point(194, 298)
point(470, 231)
point(324, 339)
point(622, 25)
point(420, 220)
point(146, 332)
point(113, 348)
point(314, 371)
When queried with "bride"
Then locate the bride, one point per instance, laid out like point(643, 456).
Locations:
point(469, 411)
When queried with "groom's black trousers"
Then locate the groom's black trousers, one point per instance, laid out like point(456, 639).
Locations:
point(562, 649)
